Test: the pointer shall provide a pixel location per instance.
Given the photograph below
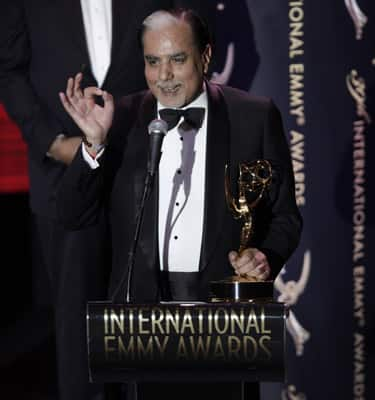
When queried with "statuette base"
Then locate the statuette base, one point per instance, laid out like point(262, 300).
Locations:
point(238, 289)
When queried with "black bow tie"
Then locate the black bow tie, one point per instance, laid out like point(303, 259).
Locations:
point(193, 116)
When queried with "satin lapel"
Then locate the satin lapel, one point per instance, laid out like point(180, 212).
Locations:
point(69, 12)
point(148, 241)
point(217, 155)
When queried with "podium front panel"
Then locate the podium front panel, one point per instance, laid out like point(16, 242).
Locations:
point(193, 341)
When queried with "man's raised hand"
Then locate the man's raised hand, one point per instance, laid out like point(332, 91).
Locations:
point(93, 120)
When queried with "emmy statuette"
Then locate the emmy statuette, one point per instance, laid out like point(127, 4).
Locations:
point(254, 179)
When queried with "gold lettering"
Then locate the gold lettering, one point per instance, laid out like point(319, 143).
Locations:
point(296, 82)
point(106, 321)
point(200, 346)
point(296, 28)
point(162, 346)
point(296, 3)
point(157, 320)
point(117, 321)
point(359, 270)
point(263, 346)
point(357, 89)
point(296, 137)
point(200, 321)
point(300, 200)
point(296, 14)
point(172, 319)
point(221, 318)
point(181, 348)
point(297, 165)
point(252, 322)
point(127, 352)
point(145, 351)
point(187, 323)
point(107, 347)
point(295, 53)
point(237, 320)
point(359, 347)
point(359, 232)
point(250, 348)
point(131, 321)
point(141, 321)
point(218, 349)
point(209, 320)
point(358, 247)
point(358, 191)
point(295, 43)
point(234, 347)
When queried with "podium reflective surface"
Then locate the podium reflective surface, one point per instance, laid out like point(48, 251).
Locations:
point(186, 341)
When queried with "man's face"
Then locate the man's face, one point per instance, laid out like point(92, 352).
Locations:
point(174, 67)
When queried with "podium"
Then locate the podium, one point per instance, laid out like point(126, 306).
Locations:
point(186, 341)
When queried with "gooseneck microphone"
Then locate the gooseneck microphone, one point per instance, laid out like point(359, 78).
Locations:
point(157, 129)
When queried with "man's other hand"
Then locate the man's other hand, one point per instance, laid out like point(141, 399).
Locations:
point(251, 263)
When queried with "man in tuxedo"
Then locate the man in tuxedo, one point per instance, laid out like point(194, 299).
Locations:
point(42, 43)
point(188, 232)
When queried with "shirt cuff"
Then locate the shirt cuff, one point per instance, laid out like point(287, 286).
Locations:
point(92, 162)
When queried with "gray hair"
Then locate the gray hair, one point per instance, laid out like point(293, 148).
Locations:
point(161, 18)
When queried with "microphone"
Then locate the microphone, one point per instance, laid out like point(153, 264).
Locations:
point(157, 129)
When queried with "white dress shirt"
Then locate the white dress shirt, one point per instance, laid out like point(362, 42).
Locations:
point(181, 194)
point(97, 19)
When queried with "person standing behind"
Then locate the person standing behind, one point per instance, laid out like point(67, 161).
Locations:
point(41, 44)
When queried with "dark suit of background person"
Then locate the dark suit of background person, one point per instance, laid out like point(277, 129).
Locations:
point(42, 43)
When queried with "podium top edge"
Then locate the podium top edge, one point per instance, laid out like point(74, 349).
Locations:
point(187, 304)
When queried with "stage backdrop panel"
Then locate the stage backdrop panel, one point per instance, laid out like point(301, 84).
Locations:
point(317, 61)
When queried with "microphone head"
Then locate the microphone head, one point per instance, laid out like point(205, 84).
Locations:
point(158, 126)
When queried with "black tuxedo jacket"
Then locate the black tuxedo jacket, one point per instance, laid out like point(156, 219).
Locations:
point(240, 128)
point(42, 44)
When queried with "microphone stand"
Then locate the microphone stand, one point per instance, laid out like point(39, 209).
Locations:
point(131, 261)
point(156, 139)
point(132, 253)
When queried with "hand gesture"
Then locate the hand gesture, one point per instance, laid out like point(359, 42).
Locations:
point(93, 120)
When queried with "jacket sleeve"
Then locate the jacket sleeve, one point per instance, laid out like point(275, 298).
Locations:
point(38, 126)
point(283, 220)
